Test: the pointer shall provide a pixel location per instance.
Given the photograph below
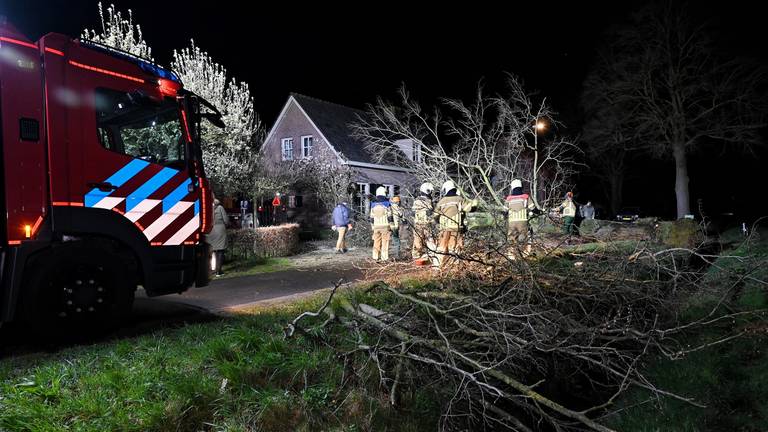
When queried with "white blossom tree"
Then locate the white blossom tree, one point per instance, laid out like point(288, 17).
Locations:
point(229, 154)
point(120, 33)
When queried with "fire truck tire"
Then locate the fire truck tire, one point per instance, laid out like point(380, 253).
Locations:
point(76, 288)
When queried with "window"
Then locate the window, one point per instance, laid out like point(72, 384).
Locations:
point(306, 146)
point(287, 148)
point(416, 152)
point(361, 199)
point(140, 127)
point(295, 201)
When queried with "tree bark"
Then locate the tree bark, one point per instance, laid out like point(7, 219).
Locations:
point(616, 181)
point(681, 180)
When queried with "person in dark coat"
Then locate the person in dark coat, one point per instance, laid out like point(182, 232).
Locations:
point(341, 224)
point(217, 238)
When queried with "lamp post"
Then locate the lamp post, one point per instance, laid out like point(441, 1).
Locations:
point(540, 125)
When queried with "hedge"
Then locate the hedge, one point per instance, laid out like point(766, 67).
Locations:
point(264, 242)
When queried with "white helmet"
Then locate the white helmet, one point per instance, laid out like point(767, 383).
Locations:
point(381, 191)
point(448, 185)
point(427, 188)
point(516, 183)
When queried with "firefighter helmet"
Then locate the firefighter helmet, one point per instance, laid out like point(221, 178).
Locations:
point(447, 186)
point(516, 183)
point(381, 191)
point(427, 188)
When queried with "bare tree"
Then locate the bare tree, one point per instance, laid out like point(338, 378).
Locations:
point(482, 145)
point(673, 91)
point(322, 174)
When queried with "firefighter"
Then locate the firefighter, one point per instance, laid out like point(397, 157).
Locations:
point(518, 206)
point(398, 225)
point(568, 208)
point(381, 218)
point(422, 220)
point(449, 213)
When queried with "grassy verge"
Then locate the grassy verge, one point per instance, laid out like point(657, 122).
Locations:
point(254, 266)
point(731, 379)
point(238, 374)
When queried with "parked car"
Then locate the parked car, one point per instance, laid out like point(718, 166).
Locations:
point(628, 214)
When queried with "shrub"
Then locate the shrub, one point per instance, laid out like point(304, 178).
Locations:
point(264, 242)
point(684, 233)
point(589, 227)
point(276, 241)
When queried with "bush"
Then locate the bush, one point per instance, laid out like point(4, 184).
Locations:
point(265, 242)
point(589, 227)
point(683, 233)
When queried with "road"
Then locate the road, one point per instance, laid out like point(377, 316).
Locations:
point(193, 306)
point(223, 294)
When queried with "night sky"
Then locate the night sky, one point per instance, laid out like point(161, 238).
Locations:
point(350, 53)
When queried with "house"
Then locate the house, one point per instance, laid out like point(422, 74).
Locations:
point(309, 127)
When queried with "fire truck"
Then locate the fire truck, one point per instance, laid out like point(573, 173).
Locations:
point(103, 188)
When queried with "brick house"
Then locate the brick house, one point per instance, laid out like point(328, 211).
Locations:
point(309, 127)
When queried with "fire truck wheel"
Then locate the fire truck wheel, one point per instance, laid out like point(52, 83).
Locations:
point(75, 287)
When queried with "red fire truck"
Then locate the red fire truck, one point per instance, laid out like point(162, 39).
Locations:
point(103, 187)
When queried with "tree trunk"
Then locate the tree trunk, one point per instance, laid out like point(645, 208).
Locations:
point(681, 180)
point(617, 191)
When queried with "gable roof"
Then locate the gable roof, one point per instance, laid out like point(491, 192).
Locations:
point(334, 121)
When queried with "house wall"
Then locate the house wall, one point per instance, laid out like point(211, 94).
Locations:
point(311, 215)
point(293, 124)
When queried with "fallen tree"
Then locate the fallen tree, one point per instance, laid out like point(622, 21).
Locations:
point(535, 344)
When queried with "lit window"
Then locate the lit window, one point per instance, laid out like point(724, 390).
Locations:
point(287, 148)
point(306, 146)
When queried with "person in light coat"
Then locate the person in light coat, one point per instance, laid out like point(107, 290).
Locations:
point(217, 238)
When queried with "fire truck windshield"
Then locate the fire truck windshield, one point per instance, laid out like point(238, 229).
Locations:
point(140, 127)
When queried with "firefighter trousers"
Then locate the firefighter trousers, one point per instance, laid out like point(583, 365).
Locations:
point(421, 240)
point(449, 244)
point(381, 238)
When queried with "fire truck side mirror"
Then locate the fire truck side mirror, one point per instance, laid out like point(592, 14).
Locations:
point(214, 118)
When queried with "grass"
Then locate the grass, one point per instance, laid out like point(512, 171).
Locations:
point(253, 266)
point(238, 374)
point(731, 379)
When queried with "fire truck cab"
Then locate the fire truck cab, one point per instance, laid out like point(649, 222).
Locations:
point(103, 187)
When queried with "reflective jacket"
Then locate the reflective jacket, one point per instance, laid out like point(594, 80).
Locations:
point(397, 216)
point(449, 212)
point(517, 208)
point(422, 210)
point(381, 213)
point(569, 208)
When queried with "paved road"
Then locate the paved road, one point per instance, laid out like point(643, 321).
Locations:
point(193, 306)
point(223, 294)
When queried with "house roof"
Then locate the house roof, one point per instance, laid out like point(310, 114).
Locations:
point(334, 121)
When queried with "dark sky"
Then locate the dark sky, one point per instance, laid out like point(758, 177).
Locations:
point(350, 53)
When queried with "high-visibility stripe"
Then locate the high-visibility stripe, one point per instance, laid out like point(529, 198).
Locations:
point(108, 202)
point(187, 230)
point(117, 179)
point(163, 221)
point(149, 187)
point(177, 195)
point(141, 209)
